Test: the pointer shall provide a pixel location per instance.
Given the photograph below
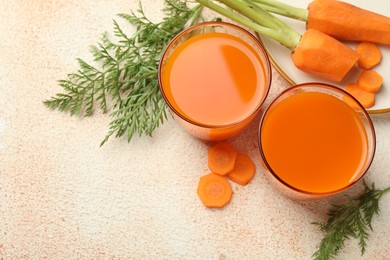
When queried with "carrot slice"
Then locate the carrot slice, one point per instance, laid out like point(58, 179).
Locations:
point(370, 55)
point(244, 170)
point(221, 158)
point(214, 190)
point(370, 81)
point(367, 99)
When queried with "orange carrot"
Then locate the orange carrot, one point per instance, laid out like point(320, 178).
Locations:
point(244, 170)
point(370, 81)
point(370, 55)
point(338, 19)
point(367, 99)
point(221, 158)
point(348, 22)
point(214, 190)
point(320, 54)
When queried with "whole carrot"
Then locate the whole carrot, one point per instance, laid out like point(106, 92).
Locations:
point(341, 20)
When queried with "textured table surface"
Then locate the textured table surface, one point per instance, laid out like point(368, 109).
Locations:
point(63, 197)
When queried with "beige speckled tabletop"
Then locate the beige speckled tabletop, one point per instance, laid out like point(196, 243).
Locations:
point(63, 197)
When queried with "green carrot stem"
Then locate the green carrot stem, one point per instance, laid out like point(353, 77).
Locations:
point(255, 13)
point(239, 19)
point(385, 190)
point(277, 7)
point(197, 13)
point(247, 9)
point(267, 8)
point(262, 16)
point(261, 22)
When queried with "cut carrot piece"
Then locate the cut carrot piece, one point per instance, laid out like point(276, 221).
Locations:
point(370, 55)
point(244, 170)
point(341, 20)
point(370, 81)
point(221, 158)
point(321, 55)
point(214, 190)
point(367, 99)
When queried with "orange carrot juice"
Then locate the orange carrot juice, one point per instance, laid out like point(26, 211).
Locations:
point(214, 79)
point(314, 142)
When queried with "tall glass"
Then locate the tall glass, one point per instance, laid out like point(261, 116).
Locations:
point(214, 76)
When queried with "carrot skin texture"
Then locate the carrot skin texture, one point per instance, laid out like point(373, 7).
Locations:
point(214, 190)
point(324, 56)
point(344, 21)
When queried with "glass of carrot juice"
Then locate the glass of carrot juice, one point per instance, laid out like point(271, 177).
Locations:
point(315, 140)
point(214, 76)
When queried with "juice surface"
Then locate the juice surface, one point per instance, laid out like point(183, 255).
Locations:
point(214, 79)
point(314, 142)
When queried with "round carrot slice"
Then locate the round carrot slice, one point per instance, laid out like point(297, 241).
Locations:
point(221, 158)
point(367, 99)
point(244, 170)
point(370, 81)
point(214, 190)
point(370, 55)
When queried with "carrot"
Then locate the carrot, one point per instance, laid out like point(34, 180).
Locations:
point(320, 55)
point(367, 99)
point(221, 158)
point(214, 190)
point(370, 81)
point(244, 170)
point(370, 55)
point(348, 22)
point(338, 19)
point(313, 52)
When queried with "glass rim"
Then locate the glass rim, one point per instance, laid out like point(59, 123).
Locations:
point(266, 62)
point(361, 108)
